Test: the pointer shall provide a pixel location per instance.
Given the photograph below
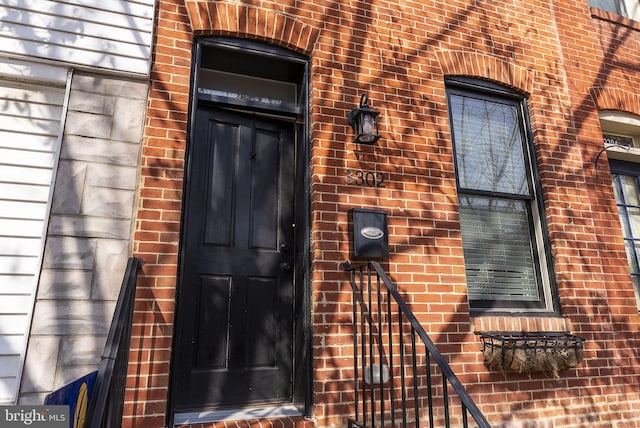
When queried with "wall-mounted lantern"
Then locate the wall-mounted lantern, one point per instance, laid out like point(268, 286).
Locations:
point(364, 121)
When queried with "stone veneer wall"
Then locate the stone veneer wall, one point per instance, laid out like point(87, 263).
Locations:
point(89, 234)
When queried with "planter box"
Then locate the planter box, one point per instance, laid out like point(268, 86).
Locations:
point(514, 352)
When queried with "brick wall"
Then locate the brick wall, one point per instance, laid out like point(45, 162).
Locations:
point(568, 63)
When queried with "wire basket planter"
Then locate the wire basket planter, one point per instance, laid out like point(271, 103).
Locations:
point(515, 352)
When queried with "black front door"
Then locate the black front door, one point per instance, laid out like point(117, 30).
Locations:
point(235, 300)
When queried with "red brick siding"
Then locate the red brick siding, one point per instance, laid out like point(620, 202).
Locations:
point(569, 64)
point(616, 99)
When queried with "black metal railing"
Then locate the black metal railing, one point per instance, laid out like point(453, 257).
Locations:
point(107, 398)
point(400, 377)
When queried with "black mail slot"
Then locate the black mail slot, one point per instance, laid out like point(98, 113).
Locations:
point(370, 238)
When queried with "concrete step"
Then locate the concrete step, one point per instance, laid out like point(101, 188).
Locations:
point(279, 422)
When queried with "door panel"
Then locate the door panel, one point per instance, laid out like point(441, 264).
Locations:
point(235, 306)
point(214, 310)
point(221, 189)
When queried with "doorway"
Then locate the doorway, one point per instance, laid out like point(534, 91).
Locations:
point(242, 306)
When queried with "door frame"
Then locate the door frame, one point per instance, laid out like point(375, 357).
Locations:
point(301, 336)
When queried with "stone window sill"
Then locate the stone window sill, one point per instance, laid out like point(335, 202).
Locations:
point(524, 324)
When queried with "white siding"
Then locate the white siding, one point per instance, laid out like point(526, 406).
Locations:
point(109, 34)
point(30, 125)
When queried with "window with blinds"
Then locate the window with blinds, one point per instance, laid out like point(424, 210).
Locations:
point(626, 186)
point(500, 213)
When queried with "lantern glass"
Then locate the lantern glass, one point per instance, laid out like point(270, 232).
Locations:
point(367, 124)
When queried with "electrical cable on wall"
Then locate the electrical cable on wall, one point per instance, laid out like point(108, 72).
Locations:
point(604, 149)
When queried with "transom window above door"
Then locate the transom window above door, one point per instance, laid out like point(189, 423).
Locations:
point(229, 75)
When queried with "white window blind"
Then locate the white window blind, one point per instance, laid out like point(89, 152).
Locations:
point(497, 249)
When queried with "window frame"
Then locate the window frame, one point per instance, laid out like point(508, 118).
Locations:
point(628, 9)
point(548, 302)
point(630, 169)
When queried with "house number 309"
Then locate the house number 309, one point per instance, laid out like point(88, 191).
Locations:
point(365, 178)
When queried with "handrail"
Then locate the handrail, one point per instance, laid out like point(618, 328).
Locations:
point(378, 332)
point(107, 399)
